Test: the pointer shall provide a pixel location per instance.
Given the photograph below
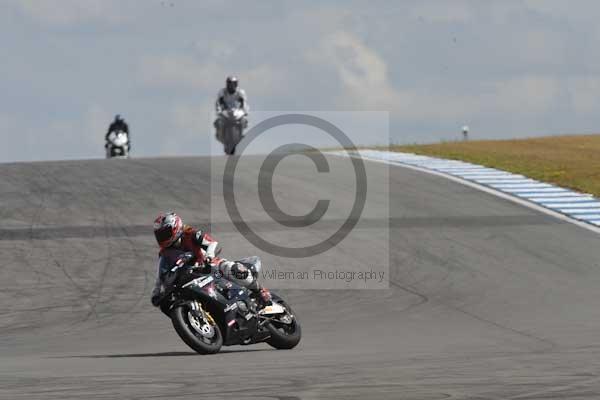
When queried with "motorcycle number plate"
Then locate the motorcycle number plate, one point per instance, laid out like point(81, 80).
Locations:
point(273, 309)
point(200, 282)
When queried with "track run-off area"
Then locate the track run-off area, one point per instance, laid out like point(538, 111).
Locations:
point(487, 299)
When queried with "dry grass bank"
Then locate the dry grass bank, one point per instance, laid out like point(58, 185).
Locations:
point(568, 161)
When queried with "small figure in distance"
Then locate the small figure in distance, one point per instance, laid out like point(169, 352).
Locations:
point(117, 139)
point(232, 108)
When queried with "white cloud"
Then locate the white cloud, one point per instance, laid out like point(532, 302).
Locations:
point(361, 71)
point(193, 129)
point(12, 137)
point(191, 118)
point(7, 123)
point(525, 95)
point(363, 76)
point(79, 137)
point(512, 63)
point(65, 12)
point(94, 125)
point(184, 71)
point(264, 80)
point(541, 47)
point(218, 49)
point(176, 71)
point(442, 11)
point(515, 97)
point(585, 94)
point(561, 9)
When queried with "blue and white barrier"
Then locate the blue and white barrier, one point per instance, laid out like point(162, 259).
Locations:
point(578, 206)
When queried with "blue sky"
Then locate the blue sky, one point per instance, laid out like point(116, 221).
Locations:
point(505, 68)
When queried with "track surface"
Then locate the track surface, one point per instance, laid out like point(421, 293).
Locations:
point(488, 300)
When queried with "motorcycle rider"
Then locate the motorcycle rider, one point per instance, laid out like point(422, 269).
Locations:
point(184, 245)
point(118, 125)
point(230, 97)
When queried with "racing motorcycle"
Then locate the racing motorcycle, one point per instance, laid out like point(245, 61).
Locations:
point(208, 311)
point(233, 120)
point(117, 146)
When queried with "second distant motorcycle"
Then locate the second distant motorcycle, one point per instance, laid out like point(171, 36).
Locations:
point(232, 108)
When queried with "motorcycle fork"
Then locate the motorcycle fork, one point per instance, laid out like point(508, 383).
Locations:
point(200, 312)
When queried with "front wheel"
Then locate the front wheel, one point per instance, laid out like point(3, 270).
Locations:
point(230, 149)
point(202, 334)
point(117, 152)
point(284, 329)
point(231, 138)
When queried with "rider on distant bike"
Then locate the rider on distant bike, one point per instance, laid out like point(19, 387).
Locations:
point(183, 245)
point(228, 98)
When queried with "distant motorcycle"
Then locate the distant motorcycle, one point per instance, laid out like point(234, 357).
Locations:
point(208, 311)
point(233, 127)
point(118, 145)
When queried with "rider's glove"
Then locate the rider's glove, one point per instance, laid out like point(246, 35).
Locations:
point(155, 300)
point(186, 259)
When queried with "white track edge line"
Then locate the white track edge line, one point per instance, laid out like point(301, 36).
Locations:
point(486, 189)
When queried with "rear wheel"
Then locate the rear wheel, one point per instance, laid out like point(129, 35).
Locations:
point(201, 334)
point(284, 329)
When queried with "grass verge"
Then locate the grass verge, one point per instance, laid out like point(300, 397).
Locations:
point(568, 161)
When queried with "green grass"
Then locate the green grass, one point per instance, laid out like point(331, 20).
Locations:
point(568, 161)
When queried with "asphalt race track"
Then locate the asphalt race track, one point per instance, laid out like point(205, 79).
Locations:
point(487, 299)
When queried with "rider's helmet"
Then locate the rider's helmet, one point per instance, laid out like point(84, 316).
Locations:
point(168, 228)
point(231, 83)
point(118, 118)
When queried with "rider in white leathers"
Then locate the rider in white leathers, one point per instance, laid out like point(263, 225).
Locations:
point(230, 97)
